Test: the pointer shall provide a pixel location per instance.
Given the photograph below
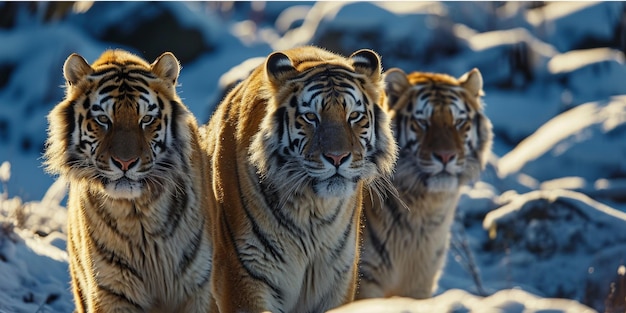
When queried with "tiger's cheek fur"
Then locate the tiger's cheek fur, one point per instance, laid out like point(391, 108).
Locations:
point(88, 137)
point(80, 141)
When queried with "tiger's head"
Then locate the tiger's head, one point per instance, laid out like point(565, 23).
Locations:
point(323, 128)
point(439, 125)
point(117, 128)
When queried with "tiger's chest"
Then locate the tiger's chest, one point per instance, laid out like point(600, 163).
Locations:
point(425, 216)
point(319, 268)
point(152, 256)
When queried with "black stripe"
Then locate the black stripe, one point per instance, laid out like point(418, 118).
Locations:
point(141, 73)
point(74, 253)
point(393, 207)
point(105, 99)
point(151, 106)
point(322, 305)
point(97, 107)
point(140, 79)
point(121, 296)
point(379, 246)
point(107, 89)
point(104, 72)
point(192, 249)
point(293, 102)
point(204, 279)
point(258, 232)
point(343, 240)
point(280, 116)
point(331, 219)
point(317, 86)
point(316, 94)
point(78, 270)
point(109, 79)
point(477, 125)
point(161, 104)
point(275, 289)
point(86, 104)
point(70, 122)
point(178, 206)
point(366, 275)
point(176, 113)
point(113, 258)
point(140, 88)
point(104, 216)
point(282, 218)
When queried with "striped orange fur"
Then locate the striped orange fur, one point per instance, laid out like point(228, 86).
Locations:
point(138, 228)
point(292, 148)
point(444, 139)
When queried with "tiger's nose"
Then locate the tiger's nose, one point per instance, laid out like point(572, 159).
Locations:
point(444, 156)
point(336, 159)
point(124, 165)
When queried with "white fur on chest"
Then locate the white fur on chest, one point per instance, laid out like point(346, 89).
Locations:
point(315, 275)
point(139, 249)
point(419, 250)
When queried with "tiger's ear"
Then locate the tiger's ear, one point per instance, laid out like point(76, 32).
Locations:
point(396, 83)
point(277, 66)
point(472, 81)
point(367, 62)
point(166, 67)
point(75, 68)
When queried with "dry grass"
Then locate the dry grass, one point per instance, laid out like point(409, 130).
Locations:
point(616, 300)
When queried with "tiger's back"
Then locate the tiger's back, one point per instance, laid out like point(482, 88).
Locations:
point(444, 139)
point(138, 228)
point(292, 147)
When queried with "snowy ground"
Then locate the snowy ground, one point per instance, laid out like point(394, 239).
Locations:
point(546, 221)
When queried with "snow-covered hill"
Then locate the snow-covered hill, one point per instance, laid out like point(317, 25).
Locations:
point(547, 219)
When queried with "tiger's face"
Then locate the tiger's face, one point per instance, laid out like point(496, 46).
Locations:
point(440, 127)
point(118, 131)
point(324, 129)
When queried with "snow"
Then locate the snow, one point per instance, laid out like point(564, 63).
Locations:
point(575, 143)
point(543, 230)
point(559, 23)
point(550, 228)
point(512, 300)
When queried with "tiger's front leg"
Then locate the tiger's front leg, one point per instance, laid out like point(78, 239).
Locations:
point(199, 303)
point(233, 287)
point(109, 301)
point(369, 290)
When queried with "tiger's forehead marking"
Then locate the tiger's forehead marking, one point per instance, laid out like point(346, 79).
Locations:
point(124, 87)
point(334, 85)
point(428, 96)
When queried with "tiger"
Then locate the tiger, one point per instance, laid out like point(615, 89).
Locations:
point(138, 225)
point(444, 139)
point(292, 148)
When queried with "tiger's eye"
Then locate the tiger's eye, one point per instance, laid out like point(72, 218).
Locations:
point(103, 119)
point(147, 119)
point(460, 122)
point(311, 117)
point(354, 115)
point(422, 122)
